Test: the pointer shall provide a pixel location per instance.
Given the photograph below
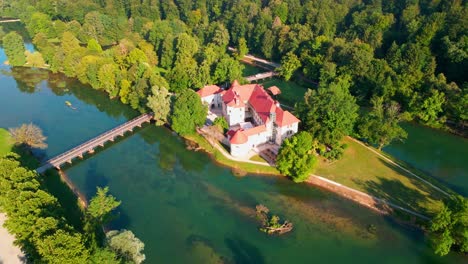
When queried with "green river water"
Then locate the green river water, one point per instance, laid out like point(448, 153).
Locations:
point(185, 208)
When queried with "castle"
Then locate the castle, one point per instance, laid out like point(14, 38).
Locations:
point(254, 117)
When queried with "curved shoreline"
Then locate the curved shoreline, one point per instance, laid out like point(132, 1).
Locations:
point(376, 204)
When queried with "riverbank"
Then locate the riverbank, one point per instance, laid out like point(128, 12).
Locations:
point(383, 205)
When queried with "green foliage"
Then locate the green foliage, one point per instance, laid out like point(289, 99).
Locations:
point(63, 247)
point(14, 49)
point(34, 59)
point(296, 157)
point(188, 112)
point(289, 64)
point(102, 205)
point(381, 126)
point(449, 227)
point(28, 135)
point(221, 123)
point(127, 245)
point(160, 104)
point(242, 49)
point(328, 113)
point(34, 216)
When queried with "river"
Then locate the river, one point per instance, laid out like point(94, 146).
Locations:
point(185, 208)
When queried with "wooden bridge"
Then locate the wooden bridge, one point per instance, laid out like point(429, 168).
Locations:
point(10, 20)
point(90, 145)
point(261, 76)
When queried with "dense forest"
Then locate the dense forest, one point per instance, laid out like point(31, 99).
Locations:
point(413, 52)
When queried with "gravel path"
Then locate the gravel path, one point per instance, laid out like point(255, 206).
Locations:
point(9, 253)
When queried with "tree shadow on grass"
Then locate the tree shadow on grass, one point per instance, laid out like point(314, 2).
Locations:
point(244, 252)
point(395, 191)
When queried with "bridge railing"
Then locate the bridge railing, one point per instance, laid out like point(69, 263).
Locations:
point(101, 136)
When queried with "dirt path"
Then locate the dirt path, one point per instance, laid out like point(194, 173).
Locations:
point(377, 204)
point(9, 253)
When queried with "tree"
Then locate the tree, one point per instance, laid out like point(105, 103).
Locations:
point(242, 49)
point(14, 49)
point(289, 64)
point(28, 135)
point(188, 112)
point(107, 76)
point(160, 104)
point(296, 158)
point(102, 205)
point(227, 70)
point(34, 59)
point(63, 247)
point(329, 112)
point(126, 245)
point(381, 126)
point(221, 124)
point(449, 228)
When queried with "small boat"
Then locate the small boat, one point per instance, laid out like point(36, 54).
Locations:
point(70, 105)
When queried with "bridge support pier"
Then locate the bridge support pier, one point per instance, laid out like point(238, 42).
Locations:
point(91, 151)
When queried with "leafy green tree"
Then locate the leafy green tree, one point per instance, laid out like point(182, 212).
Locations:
point(289, 64)
point(93, 46)
point(28, 135)
point(188, 112)
point(14, 49)
point(296, 157)
point(381, 126)
point(70, 46)
point(328, 113)
point(449, 227)
point(107, 76)
point(63, 247)
point(429, 111)
point(102, 205)
point(227, 70)
point(242, 49)
point(127, 245)
point(221, 123)
point(34, 59)
point(160, 104)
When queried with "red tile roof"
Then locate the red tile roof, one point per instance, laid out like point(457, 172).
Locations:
point(285, 118)
point(260, 101)
point(243, 92)
point(209, 90)
point(239, 138)
point(274, 90)
point(255, 130)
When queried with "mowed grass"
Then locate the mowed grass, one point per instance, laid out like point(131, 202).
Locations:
point(291, 92)
point(251, 70)
point(6, 144)
point(257, 158)
point(364, 170)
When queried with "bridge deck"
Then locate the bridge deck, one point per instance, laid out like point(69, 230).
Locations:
point(90, 145)
point(261, 76)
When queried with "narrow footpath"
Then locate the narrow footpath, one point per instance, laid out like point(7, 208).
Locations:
point(9, 253)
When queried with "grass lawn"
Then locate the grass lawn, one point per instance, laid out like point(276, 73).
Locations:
point(240, 167)
point(251, 70)
point(364, 170)
point(5, 142)
point(291, 92)
point(257, 158)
